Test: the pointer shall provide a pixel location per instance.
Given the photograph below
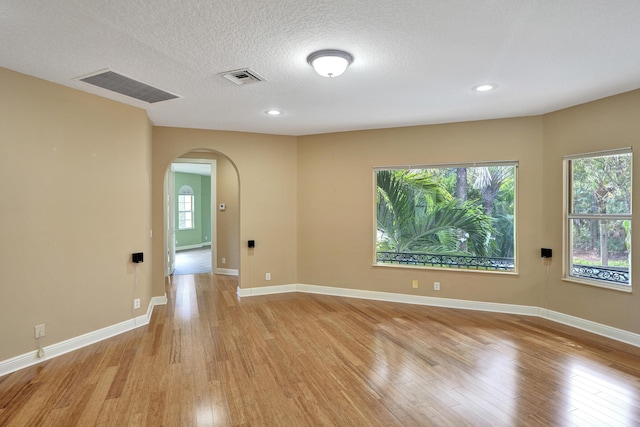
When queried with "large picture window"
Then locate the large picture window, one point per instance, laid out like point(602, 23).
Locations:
point(598, 218)
point(447, 216)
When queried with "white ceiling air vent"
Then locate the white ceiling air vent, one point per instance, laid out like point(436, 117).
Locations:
point(242, 76)
point(123, 85)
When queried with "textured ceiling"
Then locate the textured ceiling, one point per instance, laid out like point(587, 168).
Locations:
point(416, 61)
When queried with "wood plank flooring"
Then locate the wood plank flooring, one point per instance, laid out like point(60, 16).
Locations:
point(193, 261)
point(210, 359)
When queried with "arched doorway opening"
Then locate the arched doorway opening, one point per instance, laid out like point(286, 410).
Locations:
point(215, 215)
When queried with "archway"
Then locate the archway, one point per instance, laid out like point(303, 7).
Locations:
point(223, 212)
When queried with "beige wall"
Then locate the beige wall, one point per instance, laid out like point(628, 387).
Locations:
point(75, 166)
point(75, 201)
point(228, 229)
point(601, 125)
point(336, 205)
point(266, 167)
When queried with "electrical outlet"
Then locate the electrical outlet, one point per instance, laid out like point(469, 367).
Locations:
point(436, 286)
point(415, 284)
point(267, 276)
point(224, 260)
point(136, 303)
point(38, 331)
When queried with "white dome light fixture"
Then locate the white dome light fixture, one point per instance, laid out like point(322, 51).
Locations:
point(484, 88)
point(330, 62)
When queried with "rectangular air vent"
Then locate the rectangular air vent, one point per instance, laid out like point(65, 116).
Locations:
point(242, 76)
point(123, 85)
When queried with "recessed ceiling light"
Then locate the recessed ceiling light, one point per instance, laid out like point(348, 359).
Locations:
point(484, 88)
point(273, 112)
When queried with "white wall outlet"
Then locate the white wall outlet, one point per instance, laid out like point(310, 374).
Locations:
point(436, 286)
point(267, 276)
point(414, 283)
point(38, 331)
point(224, 260)
point(136, 303)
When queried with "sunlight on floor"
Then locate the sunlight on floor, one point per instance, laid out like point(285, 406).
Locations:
point(598, 397)
point(183, 300)
point(193, 261)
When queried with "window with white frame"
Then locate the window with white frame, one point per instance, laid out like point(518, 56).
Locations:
point(598, 218)
point(453, 216)
point(186, 208)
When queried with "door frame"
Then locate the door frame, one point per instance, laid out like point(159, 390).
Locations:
point(170, 221)
point(170, 209)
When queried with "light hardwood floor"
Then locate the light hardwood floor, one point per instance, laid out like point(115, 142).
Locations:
point(208, 358)
point(193, 261)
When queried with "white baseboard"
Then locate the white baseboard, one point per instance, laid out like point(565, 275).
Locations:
point(196, 246)
point(267, 290)
point(576, 322)
point(589, 326)
point(227, 271)
point(58, 349)
point(419, 300)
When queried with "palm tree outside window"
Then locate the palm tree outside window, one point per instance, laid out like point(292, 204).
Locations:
point(459, 216)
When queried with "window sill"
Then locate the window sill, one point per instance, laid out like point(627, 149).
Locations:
point(613, 287)
point(451, 270)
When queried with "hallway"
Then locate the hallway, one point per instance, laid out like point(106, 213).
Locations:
point(193, 261)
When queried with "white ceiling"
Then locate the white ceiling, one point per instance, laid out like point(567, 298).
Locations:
point(416, 61)
point(193, 168)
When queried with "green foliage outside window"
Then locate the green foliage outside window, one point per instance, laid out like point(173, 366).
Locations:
point(464, 210)
point(599, 215)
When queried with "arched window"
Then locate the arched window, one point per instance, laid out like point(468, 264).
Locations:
point(186, 207)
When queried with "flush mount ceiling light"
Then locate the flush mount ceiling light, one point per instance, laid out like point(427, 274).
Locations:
point(484, 88)
point(330, 62)
point(273, 112)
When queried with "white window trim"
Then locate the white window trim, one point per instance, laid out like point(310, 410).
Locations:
point(567, 217)
point(516, 255)
point(193, 210)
